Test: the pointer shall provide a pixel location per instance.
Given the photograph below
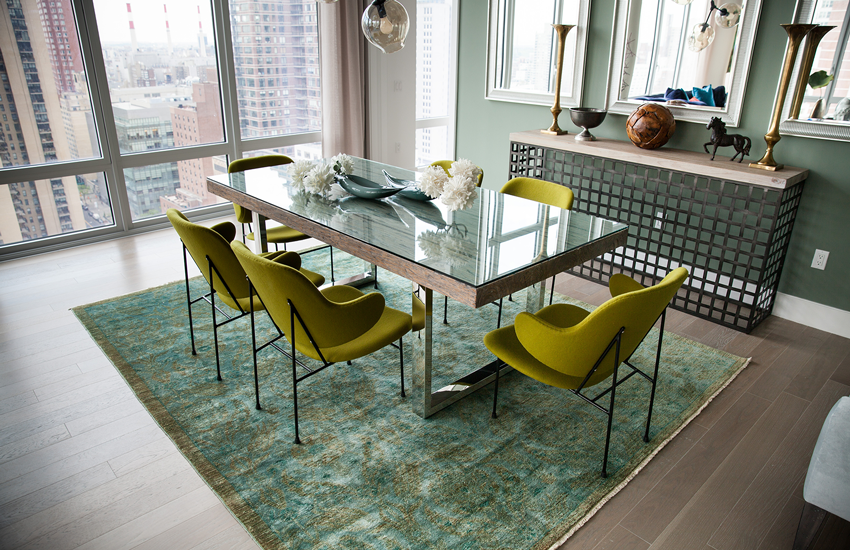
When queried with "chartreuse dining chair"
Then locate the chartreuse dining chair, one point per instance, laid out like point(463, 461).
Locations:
point(337, 323)
point(446, 166)
point(210, 249)
point(279, 234)
point(544, 192)
point(568, 347)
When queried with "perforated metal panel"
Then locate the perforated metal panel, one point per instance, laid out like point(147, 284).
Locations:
point(731, 236)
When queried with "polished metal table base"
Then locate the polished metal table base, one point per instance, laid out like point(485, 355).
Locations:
point(426, 402)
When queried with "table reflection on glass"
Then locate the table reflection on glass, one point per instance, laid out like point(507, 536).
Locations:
point(500, 245)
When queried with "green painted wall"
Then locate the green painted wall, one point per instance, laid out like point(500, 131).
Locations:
point(823, 219)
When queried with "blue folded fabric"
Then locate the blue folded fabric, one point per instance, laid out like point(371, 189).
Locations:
point(705, 95)
point(676, 94)
point(720, 96)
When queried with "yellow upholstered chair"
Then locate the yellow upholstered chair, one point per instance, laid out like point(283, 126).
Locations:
point(338, 323)
point(542, 191)
point(210, 249)
point(447, 164)
point(569, 347)
point(280, 234)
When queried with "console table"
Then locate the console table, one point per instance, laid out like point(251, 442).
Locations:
point(728, 224)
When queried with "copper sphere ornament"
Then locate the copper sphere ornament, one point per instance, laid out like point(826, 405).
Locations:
point(650, 126)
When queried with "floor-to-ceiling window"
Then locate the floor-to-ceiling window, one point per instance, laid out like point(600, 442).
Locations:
point(436, 79)
point(114, 111)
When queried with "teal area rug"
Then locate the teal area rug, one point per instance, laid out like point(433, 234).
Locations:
point(371, 474)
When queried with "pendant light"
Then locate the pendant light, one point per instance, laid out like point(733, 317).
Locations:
point(385, 24)
point(728, 15)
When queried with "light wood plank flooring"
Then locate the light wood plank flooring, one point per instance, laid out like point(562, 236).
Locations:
point(82, 465)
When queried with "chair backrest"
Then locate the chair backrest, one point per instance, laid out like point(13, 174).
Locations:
point(201, 242)
point(574, 350)
point(330, 324)
point(541, 191)
point(243, 215)
point(447, 164)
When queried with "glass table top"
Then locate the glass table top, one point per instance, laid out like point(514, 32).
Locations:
point(498, 235)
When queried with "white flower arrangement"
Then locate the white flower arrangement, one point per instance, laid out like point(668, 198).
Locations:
point(459, 193)
point(319, 179)
point(465, 168)
point(457, 189)
point(343, 164)
point(449, 246)
point(298, 170)
point(432, 181)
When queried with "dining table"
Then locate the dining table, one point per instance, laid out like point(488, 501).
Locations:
point(499, 245)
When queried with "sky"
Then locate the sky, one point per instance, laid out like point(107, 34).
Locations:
point(149, 18)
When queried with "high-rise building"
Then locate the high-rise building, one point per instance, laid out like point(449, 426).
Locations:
point(190, 121)
point(33, 128)
point(276, 54)
point(57, 19)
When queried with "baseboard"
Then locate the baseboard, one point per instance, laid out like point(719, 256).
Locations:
point(812, 314)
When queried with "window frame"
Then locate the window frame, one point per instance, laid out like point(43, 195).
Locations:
point(499, 19)
point(112, 162)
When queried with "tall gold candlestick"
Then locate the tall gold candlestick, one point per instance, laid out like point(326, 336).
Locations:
point(812, 40)
point(796, 32)
point(562, 31)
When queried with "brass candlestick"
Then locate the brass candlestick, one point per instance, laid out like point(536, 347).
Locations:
point(796, 32)
point(563, 31)
point(812, 40)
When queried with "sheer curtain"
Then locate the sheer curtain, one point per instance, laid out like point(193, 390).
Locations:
point(342, 54)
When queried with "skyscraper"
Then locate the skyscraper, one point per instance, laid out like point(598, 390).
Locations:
point(33, 128)
point(276, 53)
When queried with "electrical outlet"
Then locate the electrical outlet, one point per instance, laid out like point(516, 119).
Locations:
point(819, 261)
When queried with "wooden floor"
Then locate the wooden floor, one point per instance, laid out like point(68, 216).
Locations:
point(82, 464)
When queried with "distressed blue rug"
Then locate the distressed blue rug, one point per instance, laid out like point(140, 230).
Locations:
point(370, 473)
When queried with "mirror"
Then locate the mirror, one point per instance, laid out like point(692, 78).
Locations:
point(832, 56)
point(691, 55)
point(522, 50)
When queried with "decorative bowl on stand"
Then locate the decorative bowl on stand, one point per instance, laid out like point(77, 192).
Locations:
point(587, 118)
point(365, 189)
point(407, 188)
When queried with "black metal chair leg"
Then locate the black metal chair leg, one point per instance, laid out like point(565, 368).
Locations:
point(496, 393)
point(552, 291)
point(445, 310)
point(401, 364)
point(499, 318)
point(611, 406)
point(189, 300)
point(254, 349)
point(655, 375)
point(215, 325)
point(332, 265)
point(294, 377)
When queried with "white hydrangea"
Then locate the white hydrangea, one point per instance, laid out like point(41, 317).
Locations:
point(432, 181)
point(298, 170)
point(319, 179)
point(431, 244)
point(465, 168)
point(459, 193)
point(337, 192)
point(343, 164)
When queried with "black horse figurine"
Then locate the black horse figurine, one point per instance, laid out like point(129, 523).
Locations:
point(719, 138)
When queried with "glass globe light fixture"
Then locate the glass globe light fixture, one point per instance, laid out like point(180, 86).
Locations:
point(385, 24)
point(728, 15)
point(701, 37)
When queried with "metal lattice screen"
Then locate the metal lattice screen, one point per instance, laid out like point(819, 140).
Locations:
point(731, 236)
